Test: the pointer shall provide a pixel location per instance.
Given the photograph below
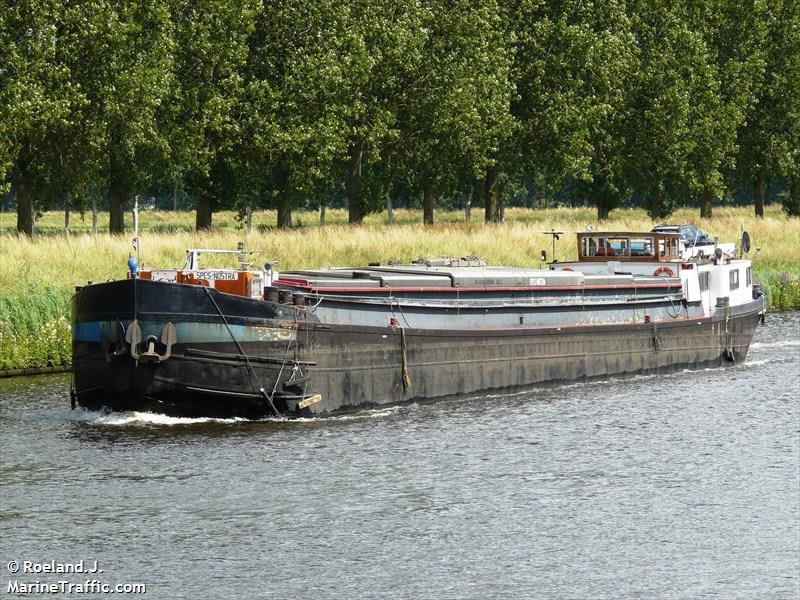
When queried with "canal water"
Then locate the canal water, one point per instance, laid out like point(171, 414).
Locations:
point(676, 486)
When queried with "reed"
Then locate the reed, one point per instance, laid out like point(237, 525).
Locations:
point(35, 330)
point(38, 275)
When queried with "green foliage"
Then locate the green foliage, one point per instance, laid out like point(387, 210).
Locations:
point(791, 205)
point(199, 114)
point(35, 329)
point(782, 286)
point(292, 122)
point(769, 138)
point(456, 106)
point(290, 103)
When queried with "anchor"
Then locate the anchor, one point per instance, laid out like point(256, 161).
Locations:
point(134, 337)
point(297, 379)
point(105, 342)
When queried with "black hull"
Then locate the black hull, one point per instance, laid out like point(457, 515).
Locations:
point(264, 358)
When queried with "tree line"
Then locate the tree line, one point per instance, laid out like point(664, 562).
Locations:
point(283, 103)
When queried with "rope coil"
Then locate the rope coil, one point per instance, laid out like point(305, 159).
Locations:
point(656, 339)
point(404, 360)
point(729, 335)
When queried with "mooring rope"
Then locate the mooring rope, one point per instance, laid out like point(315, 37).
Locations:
point(729, 335)
point(278, 378)
point(251, 370)
point(404, 360)
point(656, 339)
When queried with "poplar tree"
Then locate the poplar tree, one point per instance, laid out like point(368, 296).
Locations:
point(201, 115)
point(292, 119)
point(769, 136)
point(126, 71)
point(37, 102)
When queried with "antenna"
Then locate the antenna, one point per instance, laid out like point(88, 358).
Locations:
point(556, 235)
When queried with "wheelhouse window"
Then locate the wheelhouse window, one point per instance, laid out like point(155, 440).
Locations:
point(642, 246)
point(606, 246)
point(668, 247)
point(703, 276)
point(635, 247)
point(749, 277)
point(734, 279)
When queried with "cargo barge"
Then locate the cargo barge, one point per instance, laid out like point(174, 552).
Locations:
point(253, 343)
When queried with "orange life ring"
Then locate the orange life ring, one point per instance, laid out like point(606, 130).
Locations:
point(666, 271)
point(567, 269)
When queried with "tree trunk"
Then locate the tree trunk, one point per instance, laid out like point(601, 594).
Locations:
point(322, 215)
point(24, 205)
point(354, 183)
point(94, 215)
point(284, 209)
point(284, 200)
point(655, 204)
point(116, 215)
point(475, 197)
point(203, 212)
point(602, 210)
point(136, 215)
point(120, 182)
point(490, 194)
point(116, 194)
point(427, 203)
point(175, 199)
point(66, 212)
point(389, 209)
point(706, 202)
point(759, 191)
point(794, 189)
point(117, 191)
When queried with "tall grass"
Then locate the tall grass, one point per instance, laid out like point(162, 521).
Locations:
point(37, 275)
point(35, 329)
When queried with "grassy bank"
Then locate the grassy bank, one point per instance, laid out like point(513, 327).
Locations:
point(35, 329)
point(37, 276)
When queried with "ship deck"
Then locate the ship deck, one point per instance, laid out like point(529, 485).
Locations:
point(436, 279)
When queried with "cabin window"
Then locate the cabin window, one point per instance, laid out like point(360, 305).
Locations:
point(703, 275)
point(734, 278)
point(668, 246)
point(642, 246)
point(606, 246)
point(749, 277)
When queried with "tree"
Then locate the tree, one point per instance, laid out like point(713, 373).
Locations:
point(568, 70)
point(659, 139)
point(292, 122)
point(200, 114)
point(768, 138)
point(37, 99)
point(381, 46)
point(124, 65)
point(612, 58)
point(457, 101)
point(725, 74)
